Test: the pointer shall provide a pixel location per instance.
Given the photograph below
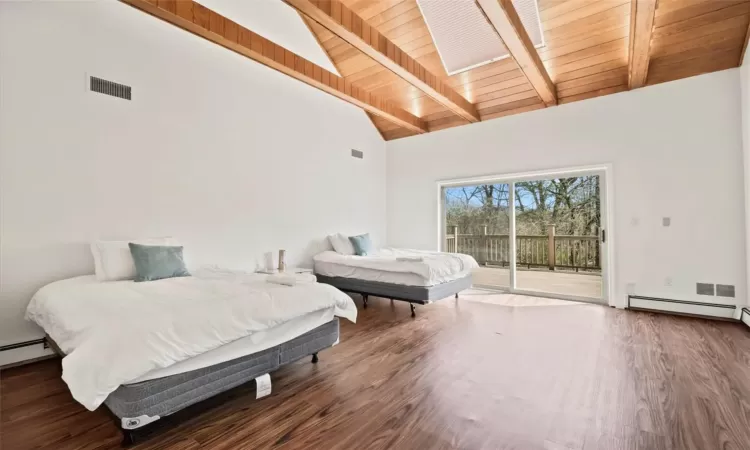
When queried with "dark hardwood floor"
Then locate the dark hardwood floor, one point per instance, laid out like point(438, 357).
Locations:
point(472, 373)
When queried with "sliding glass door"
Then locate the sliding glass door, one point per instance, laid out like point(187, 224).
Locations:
point(550, 242)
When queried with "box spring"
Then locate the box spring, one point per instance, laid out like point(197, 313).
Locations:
point(413, 294)
point(141, 403)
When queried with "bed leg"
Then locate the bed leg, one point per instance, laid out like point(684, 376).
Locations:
point(364, 300)
point(413, 310)
point(315, 358)
point(128, 439)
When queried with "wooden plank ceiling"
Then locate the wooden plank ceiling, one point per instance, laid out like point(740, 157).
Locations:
point(390, 67)
point(586, 54)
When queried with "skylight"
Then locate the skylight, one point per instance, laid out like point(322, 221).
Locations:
point(463, 36)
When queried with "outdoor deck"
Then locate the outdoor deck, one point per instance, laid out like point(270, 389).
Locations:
point(580, 284)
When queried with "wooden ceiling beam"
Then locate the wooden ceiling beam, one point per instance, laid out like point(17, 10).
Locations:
point(350, 27)
point(502, 15)
point(641, 28)
point(744, 46)
point(198, 19)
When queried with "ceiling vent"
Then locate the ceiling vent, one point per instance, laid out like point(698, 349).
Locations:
point(110, 88)
point(463, 36)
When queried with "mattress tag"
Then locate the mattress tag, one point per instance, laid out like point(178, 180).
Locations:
point(263, 386)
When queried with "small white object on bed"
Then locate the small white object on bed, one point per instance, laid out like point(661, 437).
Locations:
point(397, 266)
point(120, 332)
point(291, 279)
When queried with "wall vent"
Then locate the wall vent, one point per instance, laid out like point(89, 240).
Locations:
point(110, 88)
point(725, 290)
point(704, 289)
point(357, 154)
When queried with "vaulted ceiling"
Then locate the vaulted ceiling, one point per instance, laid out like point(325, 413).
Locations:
point(389, 64)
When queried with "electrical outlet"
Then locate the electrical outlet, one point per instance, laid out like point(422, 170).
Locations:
point(630, 288)
point(668, 281)
point(666, 221)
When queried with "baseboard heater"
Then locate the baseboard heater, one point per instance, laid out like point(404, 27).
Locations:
point(4, 348)
point(683, 307)
point(745, 316)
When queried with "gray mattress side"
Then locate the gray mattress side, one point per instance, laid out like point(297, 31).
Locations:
point(416, 294)
point(165, 396)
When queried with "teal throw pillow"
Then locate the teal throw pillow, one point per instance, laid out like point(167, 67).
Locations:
point(156, 262)
point(362, 244)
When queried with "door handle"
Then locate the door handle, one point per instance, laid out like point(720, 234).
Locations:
point(604, 236)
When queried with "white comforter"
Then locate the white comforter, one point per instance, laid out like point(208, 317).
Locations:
point(434, 266)
point(123, 330)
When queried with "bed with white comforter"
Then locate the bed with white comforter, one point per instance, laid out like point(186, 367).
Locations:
point(397, 266)
point(414, 276)
point(118, 332)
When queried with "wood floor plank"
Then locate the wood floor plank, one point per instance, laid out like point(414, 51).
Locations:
point(488, 370)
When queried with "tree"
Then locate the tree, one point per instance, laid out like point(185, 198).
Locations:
point(471, 208)
point(572, 204)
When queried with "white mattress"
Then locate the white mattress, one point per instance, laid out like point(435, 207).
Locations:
point(256, 342)
point(383, 267)
point(331, 269)
point(68, 321)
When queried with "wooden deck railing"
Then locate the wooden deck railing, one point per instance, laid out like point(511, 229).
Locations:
point(552, 251)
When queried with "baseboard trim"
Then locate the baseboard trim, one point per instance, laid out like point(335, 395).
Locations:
point(27, 361)
point(24, 353)
point(683, 307)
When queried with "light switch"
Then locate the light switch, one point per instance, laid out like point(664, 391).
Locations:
point(666, 221)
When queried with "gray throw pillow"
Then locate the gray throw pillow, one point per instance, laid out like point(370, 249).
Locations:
point(156, 262)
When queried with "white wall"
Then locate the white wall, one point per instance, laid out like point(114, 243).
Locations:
point(676, 151)
point(745, 89)
point(277, 21)
point(231, 157)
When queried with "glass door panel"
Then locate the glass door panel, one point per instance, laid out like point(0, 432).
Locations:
point(558, 224)
point(477, 223)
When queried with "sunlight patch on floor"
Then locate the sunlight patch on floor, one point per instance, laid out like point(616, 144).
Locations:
point(506, 299)
point(583, 284)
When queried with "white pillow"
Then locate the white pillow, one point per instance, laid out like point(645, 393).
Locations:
point(113, 261)
point(341, 244)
